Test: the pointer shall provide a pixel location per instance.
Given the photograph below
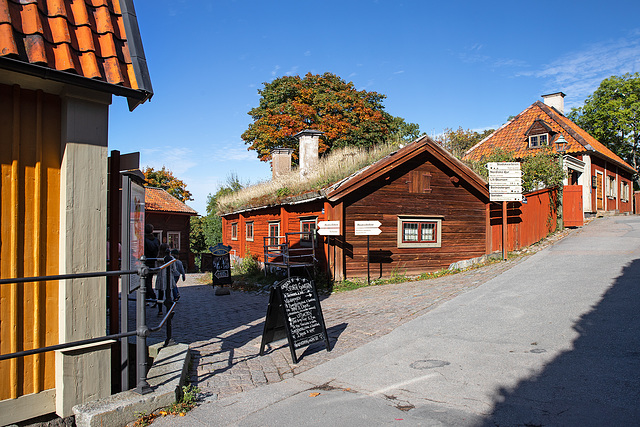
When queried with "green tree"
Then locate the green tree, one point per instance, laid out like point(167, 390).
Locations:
point(197, 239)
point(212, 223)
point(458, 141)
point(611, 114)
point(402, 131)
point(165, 179)
point(324, 102)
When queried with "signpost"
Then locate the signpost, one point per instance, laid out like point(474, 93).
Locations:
point(368, 228)
point(329, 228)
point(294, 312)
point(505, 185)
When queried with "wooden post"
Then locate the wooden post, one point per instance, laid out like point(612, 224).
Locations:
point(368, 274)
point(504, 230)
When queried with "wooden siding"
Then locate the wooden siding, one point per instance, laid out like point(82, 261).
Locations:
point(609, 169)
point(527, 223)
point(30, 132)
point(460, 206)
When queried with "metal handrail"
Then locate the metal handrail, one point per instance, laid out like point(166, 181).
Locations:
point(67, 276)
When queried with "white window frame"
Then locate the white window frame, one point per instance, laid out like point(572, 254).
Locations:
point(304, 241)
point(419, 219)
point(611, 186)
point(158, 234)
point(624, 191)
point(249, 236)
point(234, 231)
point(536, 138)
point(173, 233)
point(275, 239)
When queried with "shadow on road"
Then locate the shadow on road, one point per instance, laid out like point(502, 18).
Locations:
point(596, 383)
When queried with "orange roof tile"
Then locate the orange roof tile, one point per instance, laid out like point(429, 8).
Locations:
point(158, 200)
point(87, 38)
point(512, 136)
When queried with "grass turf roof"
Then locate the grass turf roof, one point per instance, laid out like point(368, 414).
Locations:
point(290, 188)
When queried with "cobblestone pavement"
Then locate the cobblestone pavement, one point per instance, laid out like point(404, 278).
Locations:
point(224, 332)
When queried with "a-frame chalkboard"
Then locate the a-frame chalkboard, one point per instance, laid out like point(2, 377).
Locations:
point(294, 312)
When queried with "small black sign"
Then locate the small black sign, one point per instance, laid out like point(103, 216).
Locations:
point(221, 264)
point(294, 312)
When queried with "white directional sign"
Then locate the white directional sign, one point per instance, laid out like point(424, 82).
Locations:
point(329, 228)
point(505, 181)
point(368, 228)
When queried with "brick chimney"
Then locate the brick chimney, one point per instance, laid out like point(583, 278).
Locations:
point(280, 162)
point(555, 100)
point(308, 143)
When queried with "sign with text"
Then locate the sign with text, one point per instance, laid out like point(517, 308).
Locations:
point(294, 312)
point(329, 228)
point(221, 264)
point(367, 228)
point(505, 181)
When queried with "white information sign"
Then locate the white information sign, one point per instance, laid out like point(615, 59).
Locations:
point(329, 228)
point(367, 228)
point(505, 181)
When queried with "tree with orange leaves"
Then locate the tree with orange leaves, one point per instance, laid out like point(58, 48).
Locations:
point(324, 102)
point(164, 178)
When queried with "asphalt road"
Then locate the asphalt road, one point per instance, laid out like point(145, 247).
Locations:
point(555, 340)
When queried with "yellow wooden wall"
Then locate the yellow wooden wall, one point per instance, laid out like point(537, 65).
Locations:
point(30, 158)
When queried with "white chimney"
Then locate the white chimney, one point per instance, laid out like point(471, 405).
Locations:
point(308, 143)
point(555, 100)
point(280, 162)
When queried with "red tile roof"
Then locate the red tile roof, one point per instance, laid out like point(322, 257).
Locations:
point(158, 200)
point(512, 137)
point(88, 38)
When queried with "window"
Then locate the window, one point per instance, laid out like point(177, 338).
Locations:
point(274, 233)
point(249, 231)
point(173, 239)
point(611, 187)
point(536, 141)
point(307, 225)
point(158, 234)
point(419, 232)
point(234, 231)
point(420, 182)
point(624, 191)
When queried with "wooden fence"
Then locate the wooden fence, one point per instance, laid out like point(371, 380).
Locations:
point(527, 223)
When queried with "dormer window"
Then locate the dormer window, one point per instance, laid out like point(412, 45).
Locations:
point(539, 140)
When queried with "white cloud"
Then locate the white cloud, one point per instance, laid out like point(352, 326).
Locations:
point(579, 73)
point(275, 70)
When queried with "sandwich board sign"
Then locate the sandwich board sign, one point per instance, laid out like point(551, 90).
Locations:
point(294, 312)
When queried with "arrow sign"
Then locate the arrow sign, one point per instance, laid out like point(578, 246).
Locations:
point(493, 189)
point(367, 228)
point(329, 228)
point(502, 180)
point(221, 273)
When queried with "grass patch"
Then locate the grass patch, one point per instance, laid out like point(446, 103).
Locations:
point(187, 402)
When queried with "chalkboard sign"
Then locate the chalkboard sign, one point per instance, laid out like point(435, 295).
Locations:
point(294, 312)
point(221, 264)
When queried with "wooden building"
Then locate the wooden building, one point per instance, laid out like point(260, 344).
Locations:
point(170, 218)
point(434, 211)
point(600, 178)
point(60, 64)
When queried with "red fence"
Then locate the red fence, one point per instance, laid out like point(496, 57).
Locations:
point(527, 223)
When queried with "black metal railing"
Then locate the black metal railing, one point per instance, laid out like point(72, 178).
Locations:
point(142, 329)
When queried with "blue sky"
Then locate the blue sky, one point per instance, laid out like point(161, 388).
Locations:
point(440, 64)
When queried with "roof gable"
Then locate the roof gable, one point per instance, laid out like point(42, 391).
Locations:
point(158, 200)
point(84, 42)
point(400, 157)
point(512, 136)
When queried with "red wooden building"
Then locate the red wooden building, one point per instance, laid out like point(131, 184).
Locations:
point(434, 211)
point(596, 177)
point(171, 221)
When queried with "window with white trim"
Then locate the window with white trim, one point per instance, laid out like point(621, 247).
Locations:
point(539, 140)
point(307, 225)
point(611, 186)
point(274, 233)
point(173, 239)
point(624, 191)
point(234, 231)
point(419, 232)
point(249, 231)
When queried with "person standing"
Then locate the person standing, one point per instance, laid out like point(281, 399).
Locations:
point(179, 271)
point(162, 287)
point(151, 247)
